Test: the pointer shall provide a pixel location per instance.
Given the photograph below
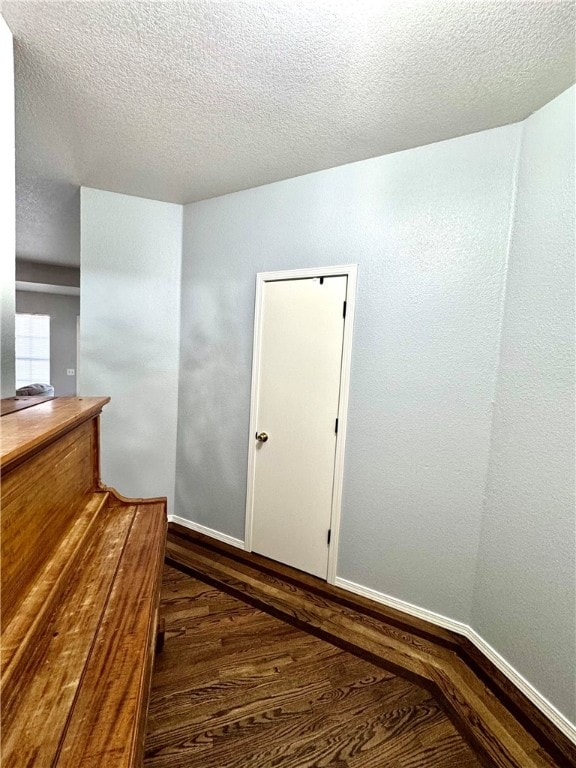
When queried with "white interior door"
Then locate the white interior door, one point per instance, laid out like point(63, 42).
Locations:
point(300, 360)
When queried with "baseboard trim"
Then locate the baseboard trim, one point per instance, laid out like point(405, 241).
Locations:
point(555, 734)
point(532, 694)
point(224, 537)
point(537, 714)
point(402, 605)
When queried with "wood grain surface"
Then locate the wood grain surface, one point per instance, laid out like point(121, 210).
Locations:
point(236, 688)
point(496, 734)
point(13, 404)
point(106, 725)
point(36, 709)
point(552, 740)
point(424, 629)
point(33, 613)
point(25, 432)
point(40, 500)
point(81, 573)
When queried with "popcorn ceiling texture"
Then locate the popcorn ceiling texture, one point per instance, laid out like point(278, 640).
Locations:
point(183, 101)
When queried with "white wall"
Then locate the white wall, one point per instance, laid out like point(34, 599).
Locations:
point(525, 600)
point(429, 229)
point(130, 277)
point(63, 311)
point(7, 211)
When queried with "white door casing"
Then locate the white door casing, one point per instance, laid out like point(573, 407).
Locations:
point(300, 379)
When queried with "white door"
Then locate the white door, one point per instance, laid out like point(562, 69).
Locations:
point(300, 359)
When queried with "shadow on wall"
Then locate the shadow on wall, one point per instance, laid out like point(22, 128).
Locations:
point(215, 372)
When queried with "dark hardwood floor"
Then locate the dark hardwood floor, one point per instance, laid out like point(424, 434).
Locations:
point(236, 686)
point(265, 666)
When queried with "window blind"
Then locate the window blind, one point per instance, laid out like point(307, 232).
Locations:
point(32, 349)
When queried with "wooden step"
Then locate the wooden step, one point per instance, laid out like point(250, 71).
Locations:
point(107, 718)
point(33, 613)
point(81, 573)
point(109, 593)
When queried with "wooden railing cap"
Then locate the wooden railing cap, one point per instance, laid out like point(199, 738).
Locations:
point(25, 432)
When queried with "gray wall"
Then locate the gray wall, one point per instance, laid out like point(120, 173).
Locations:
point(7, 212)
point(525, 597)
point(131, 252)
point(63, 311)
point(51, 274)
point(429, 229)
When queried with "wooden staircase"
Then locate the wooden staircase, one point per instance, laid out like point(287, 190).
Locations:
point(81, 570)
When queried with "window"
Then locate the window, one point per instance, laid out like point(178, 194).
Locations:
point(32, 349)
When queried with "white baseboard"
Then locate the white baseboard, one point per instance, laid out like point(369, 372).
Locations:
point(206, 531)
point(546, 707)
point(401, 605)
point(549, 710)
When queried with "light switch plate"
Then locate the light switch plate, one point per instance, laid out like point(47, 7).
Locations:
point(70, 371)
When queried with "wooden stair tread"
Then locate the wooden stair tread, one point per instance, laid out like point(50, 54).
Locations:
point(38, 702)
point(130, 614)
point(55, 666)
point(41, 498)
point(28, 621)
point(81, 574)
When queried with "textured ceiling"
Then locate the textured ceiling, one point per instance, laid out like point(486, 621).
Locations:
point(181, 101)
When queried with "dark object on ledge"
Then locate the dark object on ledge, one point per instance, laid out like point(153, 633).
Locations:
point(36, 390)
point(81, 573)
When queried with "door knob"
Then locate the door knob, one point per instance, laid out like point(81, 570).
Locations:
point(262, 437)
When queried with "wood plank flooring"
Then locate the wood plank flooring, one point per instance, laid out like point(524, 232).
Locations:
point(262, 680)
point(236, 686)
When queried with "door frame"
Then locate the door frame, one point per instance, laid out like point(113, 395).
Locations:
point(351, 272)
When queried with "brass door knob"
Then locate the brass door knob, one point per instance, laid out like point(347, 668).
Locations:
point(262, 437)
